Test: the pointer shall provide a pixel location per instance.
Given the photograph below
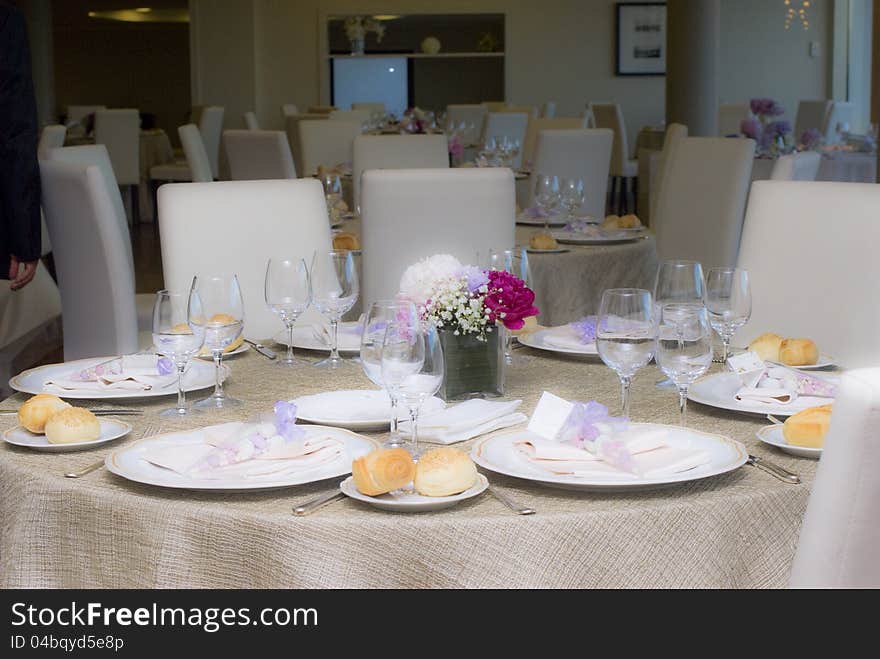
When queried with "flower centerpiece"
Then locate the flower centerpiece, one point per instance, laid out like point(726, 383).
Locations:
point(773, 135)
point(468, 305)
point(356, 29)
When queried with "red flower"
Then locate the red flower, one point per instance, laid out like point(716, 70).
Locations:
point(509, 301)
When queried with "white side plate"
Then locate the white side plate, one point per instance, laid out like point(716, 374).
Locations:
point(413, 502)
point(772, 435)
point(110, 429)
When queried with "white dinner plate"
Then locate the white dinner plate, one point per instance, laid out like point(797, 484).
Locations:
point(110, 429)
point(358, 409)
point(538, 340)
point(772, 435)
point(304, 338)
point(555, 221)
point(498, 453)
point(199, 375)
point(413, 502)
point(240, 349)
point(719, 390)
point(611, 237)
point(128, 462)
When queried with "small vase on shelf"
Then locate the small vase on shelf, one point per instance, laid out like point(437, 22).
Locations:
point(357, 46)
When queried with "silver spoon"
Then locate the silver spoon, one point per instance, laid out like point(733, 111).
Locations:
point(510, 503)
point(312, 505)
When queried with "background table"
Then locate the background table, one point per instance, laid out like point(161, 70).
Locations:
point(736, 530)
point(840, 166)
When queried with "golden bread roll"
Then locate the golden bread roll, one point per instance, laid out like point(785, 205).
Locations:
point(35, 411)
point(767, 346)
point(611, 222)
point(383, 470)
point(629, 222)
point(808, 427)
point(345, 240)
point(73, 424)
point(543, 241)
point(443, 472)
point(798, 352)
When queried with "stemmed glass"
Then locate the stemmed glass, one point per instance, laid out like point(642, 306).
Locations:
point(376, 322)
point(288, 293)
point(222, 321)
point(334, 292)
point(684, 347)
point(178, 337)
point(489, 151)
point(332, 190)
point(677, 280)
point(572, 196)
point(728, 300)
point(547, 196)
point(516, 262)
point(626, 335)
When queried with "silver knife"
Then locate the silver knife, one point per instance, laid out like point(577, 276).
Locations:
point(318, 502)
point(774, 469)
point(263, 350)
point(107, 412)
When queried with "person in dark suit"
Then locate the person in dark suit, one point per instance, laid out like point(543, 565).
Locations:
point(19, 169)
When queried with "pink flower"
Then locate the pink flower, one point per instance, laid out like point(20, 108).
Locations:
point(509, 301)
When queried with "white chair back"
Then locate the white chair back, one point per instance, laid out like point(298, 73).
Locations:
point(90, 247)
point(80, 112)
point(291, 222)
point(839, 537)
point(548, 110)
point(320, 109)
point(258, 155)
point(412, 214)
point(811, 114)
point(211, 127)
point(508, 124)
point(803, 166)
point(674, 132)
point(701, 201)
point(473, 117)
point(810, 249)
point(396, 152)
point(291, 127)
point(588, 115)
point(839, 121)
point(250, 121)
point(351, 115)
point(531, 110)
point(120, 132)
point(326, 143)
point(288, 110)
point(731, 116)
point(371, 108)
point(52, 137)
point(579, 153)
point(610, 116)
point(494, 106)
point(536, 125)
point(196, 156)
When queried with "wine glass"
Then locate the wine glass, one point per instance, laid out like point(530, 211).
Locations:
point(489, 150)
point(288, 293)
point(728, 300)
point(677, 280)
point(547, 196)
point(572, 196)
point(376, 322)
point(516, 262)
point(177, 337)
point(626, 334)
point(403, 355)
point(332, 184)
point(684, 347)
point(334, 292)
point(222, 321)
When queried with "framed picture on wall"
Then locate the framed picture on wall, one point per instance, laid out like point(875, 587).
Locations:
point(641, 39)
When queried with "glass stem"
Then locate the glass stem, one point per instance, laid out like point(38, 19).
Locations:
point(508, 345)
point(725, 347)
point(414, 430)
point(290, 341)
point(181, 395)
point(682, 405)
point(625, 382)
point(334, 338)
point(394, 431)
point(218, 381)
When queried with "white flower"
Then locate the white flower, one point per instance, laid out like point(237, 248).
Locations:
point(420, 281)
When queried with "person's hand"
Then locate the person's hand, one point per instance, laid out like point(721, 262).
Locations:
point(21, 273)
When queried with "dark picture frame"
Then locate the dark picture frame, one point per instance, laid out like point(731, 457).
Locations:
point(640, 43)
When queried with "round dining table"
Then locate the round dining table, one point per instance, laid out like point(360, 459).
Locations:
point(738, 529)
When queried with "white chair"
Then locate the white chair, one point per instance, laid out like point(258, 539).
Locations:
point(120, 132)
point(196, 156)
point(250, 121)
point(326, 143)
point(588, 115)
point(77, 113)
point(350, 115)
point(548, 110)
point(258, 155)
point(731, 116)
point(472, 116)
point(494, 106)
point(536, 125)
point(288, 110)
point(91, 248)
point(531, 110)
point(811, 114)
point(840, 118)
point(702, 198)
point(508, 124)
point(211, 127)
point(51, 137)
point(291, 127)
point(674, 132)
point(803, 166)
point(396, 152)
point(320, 109)
point(291, 222)
point(839, 537)
point(411, 214)
point(371, 108)
point(810, 249)
point(623, 168)
point(581, 154)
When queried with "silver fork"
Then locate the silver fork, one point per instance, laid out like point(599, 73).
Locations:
point(150, 430)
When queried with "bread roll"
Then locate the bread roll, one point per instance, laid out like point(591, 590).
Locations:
point(345, 240)
point(383, 470)
point(798, 352)
point(611, 222)
point(35, 411)
point(543, 241)
point(808, 427)
point(629, 222)
point(767, 346)
point(443, 472)
point(73, 424)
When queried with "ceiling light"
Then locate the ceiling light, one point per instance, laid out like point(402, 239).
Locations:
point(143, 15)
point(143, 10)
point(386, 17)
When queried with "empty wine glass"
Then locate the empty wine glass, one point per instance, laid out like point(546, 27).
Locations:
point(572, 196)
point(403, 355)
point(547, 196)
point(376, 323)
point(288, 293)
point(222, 321)
point(684, 347)
point(334, 292)
point(626, 334)
point(332, 184)
point(177, 337)
point(677, 280)
point(728, 300)
point(489, 151)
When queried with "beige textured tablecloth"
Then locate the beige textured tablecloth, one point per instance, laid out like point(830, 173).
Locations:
point(735, 530)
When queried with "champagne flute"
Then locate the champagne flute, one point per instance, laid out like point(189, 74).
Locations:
point(677, 280)
point(728, 300)
point(288, 293)
point(684, 347)
point(222, 320)
point(178, 337)
point(334, 292)
point(572, 196)
point(626, 335)
point(376, 322)
point(547, 196)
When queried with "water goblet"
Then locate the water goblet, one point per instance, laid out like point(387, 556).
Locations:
point(677, 280)
point(334, 291)
point(572, 196)
point(547, 196)
point(288, 293)
point(177, 337)
point(684, 347)
point(728, 300)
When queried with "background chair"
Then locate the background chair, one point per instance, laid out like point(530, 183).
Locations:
point(411, 214)
point(494, 106)
point(623, 168)
point(674, 132)
point(77, 113)
point(211, 126)
point(803, 166)
point(288, 110)
point(702, 198)
point(196, 156)
point(320, 109)
point(351, 115)
point(51, 137)
point(291, 222)
point(372, 108)
point(536, 125)
point(291, 127)
point(839, 119)
point(811, 114)
point(810, 249)
point(326, 143)
point(120, 132)
point(731, 116)
point(579, 153)
point(512, 125)
point(250, 121)
point(548, 110)
point(531, 110)
point(472, 116)
point(258, 154)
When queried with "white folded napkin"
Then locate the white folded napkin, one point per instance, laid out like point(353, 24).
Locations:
point(565, 337)
point(769, 395)
point(349, 335)
point(466, 420)
point(127, 373)
point(356, 405)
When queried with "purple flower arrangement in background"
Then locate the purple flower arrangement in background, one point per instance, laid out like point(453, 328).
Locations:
point(811, 139)
point(772, 135)
point(766, 108)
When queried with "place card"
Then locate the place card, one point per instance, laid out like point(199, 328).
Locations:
point(748, 366)
point(550, 415)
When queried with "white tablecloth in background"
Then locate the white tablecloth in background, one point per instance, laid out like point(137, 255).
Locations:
point(839, 166)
